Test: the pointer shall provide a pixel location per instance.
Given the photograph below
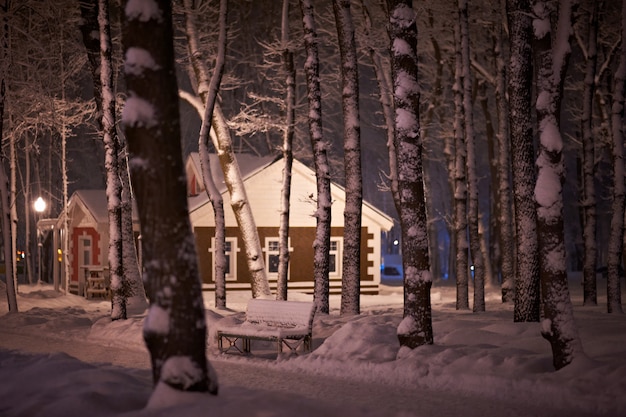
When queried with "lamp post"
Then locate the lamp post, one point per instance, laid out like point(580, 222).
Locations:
point(40, 207)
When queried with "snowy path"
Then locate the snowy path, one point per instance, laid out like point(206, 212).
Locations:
point(239, 373)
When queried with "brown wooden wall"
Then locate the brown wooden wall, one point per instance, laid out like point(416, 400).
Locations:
point(301, 261)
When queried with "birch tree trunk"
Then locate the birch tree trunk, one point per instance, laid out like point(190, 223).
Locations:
point(616, 239)
point(119, 288)
point(321, 245)
point(472, 177)
point(351, 269)
point(232, 174)
point(175, 327)
point(415, 329)
point(527, 293)
point(588, 203)
point(285, 194)
point(460, 182)
point(557, 325)
point(215, 197)
point(203, 144)
point(136, 302)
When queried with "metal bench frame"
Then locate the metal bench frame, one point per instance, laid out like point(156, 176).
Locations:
point(280, 318)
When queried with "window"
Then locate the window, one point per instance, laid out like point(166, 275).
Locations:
point(272, 256)
point(334, 258)
point(230, 250)
point(85, 250)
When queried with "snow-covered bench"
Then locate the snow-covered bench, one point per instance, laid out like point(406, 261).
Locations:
point(288, 323)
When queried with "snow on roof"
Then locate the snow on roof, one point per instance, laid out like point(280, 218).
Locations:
point(249, 165)
point(95, 201)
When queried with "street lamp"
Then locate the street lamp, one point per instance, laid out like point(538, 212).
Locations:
point(40, 207)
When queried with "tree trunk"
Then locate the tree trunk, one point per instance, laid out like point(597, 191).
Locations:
point(285, 194)
point(351, 269)
point(321, 245)
point(203, 145)
point(478, 261)
point(588, 190)
point(386, 101)
point(558, 317)
point(119, 290)
point(136, 302)
point(505, 212)
point(175, 328)
point(416, 327)
point(460, 182)
point(616, 240)
point(5, 204)
point(527, 293)
point(228, 162)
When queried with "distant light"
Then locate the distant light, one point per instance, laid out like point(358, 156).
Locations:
point(40, 205)
point(396, 243)
point(471, 267)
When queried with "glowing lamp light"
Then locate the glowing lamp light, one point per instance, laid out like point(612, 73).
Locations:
point(40, 205)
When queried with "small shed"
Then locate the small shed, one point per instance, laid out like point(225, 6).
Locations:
point(262, 178)
point(88, 232)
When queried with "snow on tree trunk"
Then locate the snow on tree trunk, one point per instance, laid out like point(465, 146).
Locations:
point(351, 267)
point(215, 197)
point(460, 182)
point(478, 261)
point(321, 245)
point(527, 293)
point(285, 193)
point(203, 145)
point(175, 327)
point(616, 239)
point(136, 303)
point(119, 292)
point(505, 212)
point(415, 329)
point(232, 175)
point(557, 325)
point(241, 207)
point(588, 203)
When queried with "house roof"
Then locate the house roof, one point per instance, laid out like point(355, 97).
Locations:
point(94, 204)
point(249, 166)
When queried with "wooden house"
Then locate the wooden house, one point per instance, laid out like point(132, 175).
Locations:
point(88, 229)
point(262, 178)
point(87, 257)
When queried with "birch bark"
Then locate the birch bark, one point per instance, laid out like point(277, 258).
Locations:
point(321, 245)
point(415, 329)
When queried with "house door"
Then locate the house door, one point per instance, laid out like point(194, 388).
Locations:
point(85, 250)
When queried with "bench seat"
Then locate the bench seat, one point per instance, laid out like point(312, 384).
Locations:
point(288, 323)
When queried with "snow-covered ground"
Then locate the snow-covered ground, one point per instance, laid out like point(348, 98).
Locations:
point(62, 356)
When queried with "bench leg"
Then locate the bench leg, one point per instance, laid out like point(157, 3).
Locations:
point(232, 344)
